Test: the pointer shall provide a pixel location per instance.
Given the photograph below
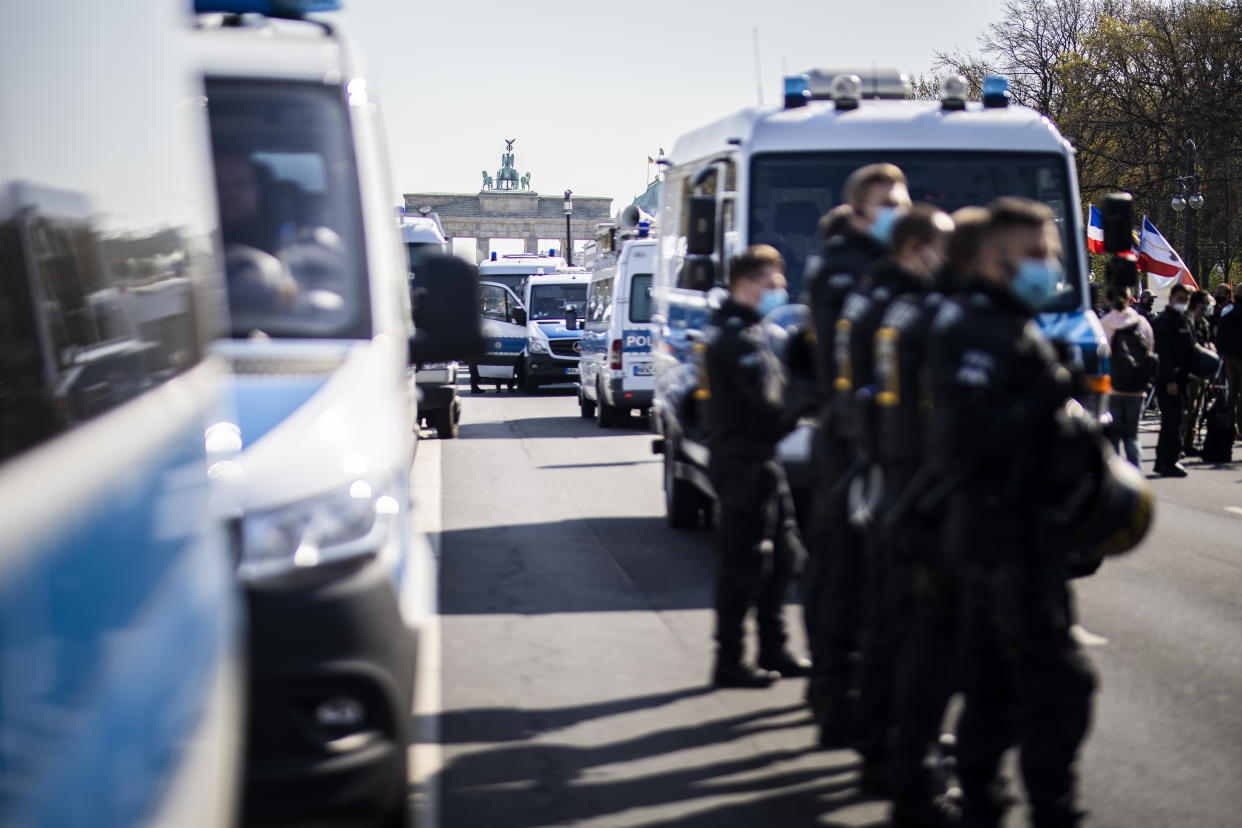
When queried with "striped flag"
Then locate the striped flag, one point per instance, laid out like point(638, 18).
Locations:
point(1161, 261)
point(1095, 231)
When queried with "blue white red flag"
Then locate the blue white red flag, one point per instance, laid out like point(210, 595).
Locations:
point(1095, 231)
point(1160, 260)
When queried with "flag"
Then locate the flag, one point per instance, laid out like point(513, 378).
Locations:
point(1095, 231)
point(650, 160)
point(1161, 261)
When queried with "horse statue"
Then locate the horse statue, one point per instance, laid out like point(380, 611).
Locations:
point(487, 181)
point(526, 182)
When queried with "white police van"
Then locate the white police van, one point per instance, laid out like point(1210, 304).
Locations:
point(502, 284)
point(554, 313)
point(616, 373)
point(766, 176)
point(121, 678)
point(338, 584)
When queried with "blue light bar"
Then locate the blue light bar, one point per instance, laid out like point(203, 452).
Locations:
point(797, 91)
point(271, 8)
point(996, 91)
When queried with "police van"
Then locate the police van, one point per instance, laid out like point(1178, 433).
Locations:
point(121, 677)
point(338, 585)
point(554, 314)
point(616, 372)
point(766, 176)
point(502, 282)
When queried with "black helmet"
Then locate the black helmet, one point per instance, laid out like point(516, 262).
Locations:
point(1119, 515)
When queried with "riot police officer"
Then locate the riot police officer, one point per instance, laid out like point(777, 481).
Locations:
point(996, 391)
point(924, 593)
point(1175, 345)
point(748, 412)
point(875, 196)
point(920, 243)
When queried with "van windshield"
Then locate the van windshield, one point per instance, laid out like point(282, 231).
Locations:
point(640, 298)
point(549, 301)
point(791, 191)
point(290, 214)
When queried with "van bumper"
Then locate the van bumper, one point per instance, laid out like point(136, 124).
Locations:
point(339, 637)
point(550, 369)
point(635, 399)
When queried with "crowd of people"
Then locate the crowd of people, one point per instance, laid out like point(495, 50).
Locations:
point(1185, 362)
point(940, 541)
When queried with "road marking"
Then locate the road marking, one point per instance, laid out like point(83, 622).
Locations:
point(425, 757)
point(1237, 510)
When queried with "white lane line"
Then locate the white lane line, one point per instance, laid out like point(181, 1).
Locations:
point(1237, 510)
point(424, 754)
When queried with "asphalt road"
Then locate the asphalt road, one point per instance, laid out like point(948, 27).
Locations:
point(576, 645)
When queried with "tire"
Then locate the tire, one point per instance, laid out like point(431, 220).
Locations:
point(682, 500)
point(445, 424)
point(605, 414)
point(585, 407)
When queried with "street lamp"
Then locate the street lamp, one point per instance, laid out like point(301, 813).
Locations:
point(1188, 195)
point(569, 240)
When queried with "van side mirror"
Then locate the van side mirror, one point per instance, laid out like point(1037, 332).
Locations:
point(571, 318)
point(519, 316)
point(446, 311)
point(701, 225)
point(698, 272)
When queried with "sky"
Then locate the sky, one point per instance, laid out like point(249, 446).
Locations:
point(590, 90)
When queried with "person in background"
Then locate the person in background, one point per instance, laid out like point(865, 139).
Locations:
point(1133, 368)
point(748, 412)
point(1146, 305)
point(1221, 297)
point(1175, 343)
point(1200, 323)
point(1229, 345)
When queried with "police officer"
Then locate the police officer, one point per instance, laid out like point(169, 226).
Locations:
point(924, 676)
point(996, 391)
point(1175, 346)
point(748, 412)
point(861, 229)
point(920, 242)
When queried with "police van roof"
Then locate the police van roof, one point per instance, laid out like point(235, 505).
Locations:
point(526, 263)
point(272, 49)
point(873, 125)
point(421, 229)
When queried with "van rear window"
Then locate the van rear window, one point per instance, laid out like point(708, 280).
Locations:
point(640, 297)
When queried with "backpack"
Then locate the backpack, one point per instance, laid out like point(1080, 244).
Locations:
point(1132, 365)
point(1218, 438)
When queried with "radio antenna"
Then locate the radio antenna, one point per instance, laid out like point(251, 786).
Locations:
point(758, 74)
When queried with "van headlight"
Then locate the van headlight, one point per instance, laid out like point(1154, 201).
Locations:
point(351, 522)
point(535, 345)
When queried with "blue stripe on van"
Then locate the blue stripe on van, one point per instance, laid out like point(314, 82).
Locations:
point(263, 402)
point(112, 629)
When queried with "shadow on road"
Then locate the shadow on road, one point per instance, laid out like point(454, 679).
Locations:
point(606, 564)
point(538, 784)
point(571, 425)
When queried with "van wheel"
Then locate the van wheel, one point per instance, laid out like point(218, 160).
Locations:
point(681, 499)
point(585, 407)
point(445, 424)
point(605, 414)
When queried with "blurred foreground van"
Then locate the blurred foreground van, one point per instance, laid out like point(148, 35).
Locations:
point(120, 681)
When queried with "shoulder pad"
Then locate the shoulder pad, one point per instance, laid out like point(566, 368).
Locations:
point(947, 315)
point(978, 301)
point(855, 306)
point(933, 300)
point(881, 294)
point(841, 282)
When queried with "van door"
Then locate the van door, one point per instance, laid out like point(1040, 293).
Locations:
point(504, 328)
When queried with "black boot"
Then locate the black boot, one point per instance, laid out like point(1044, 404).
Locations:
point(736, 673)
point(784, 662)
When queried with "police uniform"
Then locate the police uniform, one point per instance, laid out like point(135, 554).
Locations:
point(996, 387)
point(1175, 345)
point(833, 620)
point(921, 594)
point(758, 541)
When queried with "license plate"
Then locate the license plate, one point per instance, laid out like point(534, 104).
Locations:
point(573, 371)
point(643, 370)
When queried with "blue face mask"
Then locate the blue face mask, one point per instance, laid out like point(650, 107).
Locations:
point(1036, 282)
point(771, 300)
point(882, 225)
